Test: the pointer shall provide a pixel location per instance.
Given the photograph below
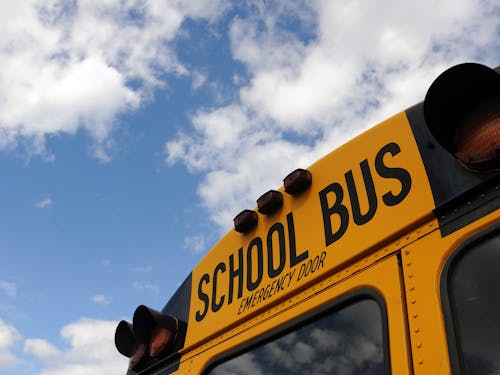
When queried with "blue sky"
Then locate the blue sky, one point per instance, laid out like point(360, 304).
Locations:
point(133, 131)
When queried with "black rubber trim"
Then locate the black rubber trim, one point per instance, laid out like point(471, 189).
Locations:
point(337, 304)
point(452, 330)
point(164, 366)
point(469, 207)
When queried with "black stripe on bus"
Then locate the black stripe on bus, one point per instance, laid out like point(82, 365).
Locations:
point(165, 366)
point(469, 207)
point(179, 304)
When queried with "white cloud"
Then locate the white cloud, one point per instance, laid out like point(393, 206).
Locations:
point(91, 350)
point(100, 299)
point(8, 338)
point(196, 243)
point(44, 203)
point(146, 288)
point(199, 80)
point(78, 65)
point(9, 288)
point(345, 67)
point(41, 349)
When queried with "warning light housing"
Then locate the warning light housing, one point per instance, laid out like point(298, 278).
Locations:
point(270, 202)
point(158, 330)
point(297, 181)
point(127, 344)
point(245, 221)
point(462, 111)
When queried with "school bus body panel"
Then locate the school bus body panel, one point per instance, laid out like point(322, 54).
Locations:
point(383, 277)
point(314, 234)
point(423, 262)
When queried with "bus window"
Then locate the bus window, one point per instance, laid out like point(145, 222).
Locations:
point(345, 341)
point(473, 284)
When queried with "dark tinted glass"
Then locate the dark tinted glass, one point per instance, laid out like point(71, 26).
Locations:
point(347, 341)
point(474, 291)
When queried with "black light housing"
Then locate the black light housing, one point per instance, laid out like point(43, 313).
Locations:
point(157, 329)
point(130, 346)
point(462, 111)
point(245, 221)
point(125, 340)
point(297, 181)
point(270, 202)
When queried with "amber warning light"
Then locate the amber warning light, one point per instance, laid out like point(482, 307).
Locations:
point(151, 337)
point(156, 329)
point(478, 141)
point(128, 345)
point(462, 110)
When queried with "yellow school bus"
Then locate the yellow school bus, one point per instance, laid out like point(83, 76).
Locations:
point(383, 257)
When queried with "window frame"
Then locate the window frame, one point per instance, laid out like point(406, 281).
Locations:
point(452, 329)
point(301, 321)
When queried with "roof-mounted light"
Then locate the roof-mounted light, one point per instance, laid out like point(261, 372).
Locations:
point(127, 344)
point(478, 140)
point(462, 111)
point(297, 181)
point(245, 221)
point(157, 329)
point(270, 202)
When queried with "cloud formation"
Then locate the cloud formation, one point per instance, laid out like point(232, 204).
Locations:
point(320, 80)
point(91, 350)
point(100, 299)
point(77, 65)
point(9, 336)
point(41, 349)
point(196, 244)
point(141, 287)
point(44, 203)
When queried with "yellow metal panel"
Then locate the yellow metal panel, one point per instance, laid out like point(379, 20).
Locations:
point(315, 233)
point(423, 263)
point(383, 277)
